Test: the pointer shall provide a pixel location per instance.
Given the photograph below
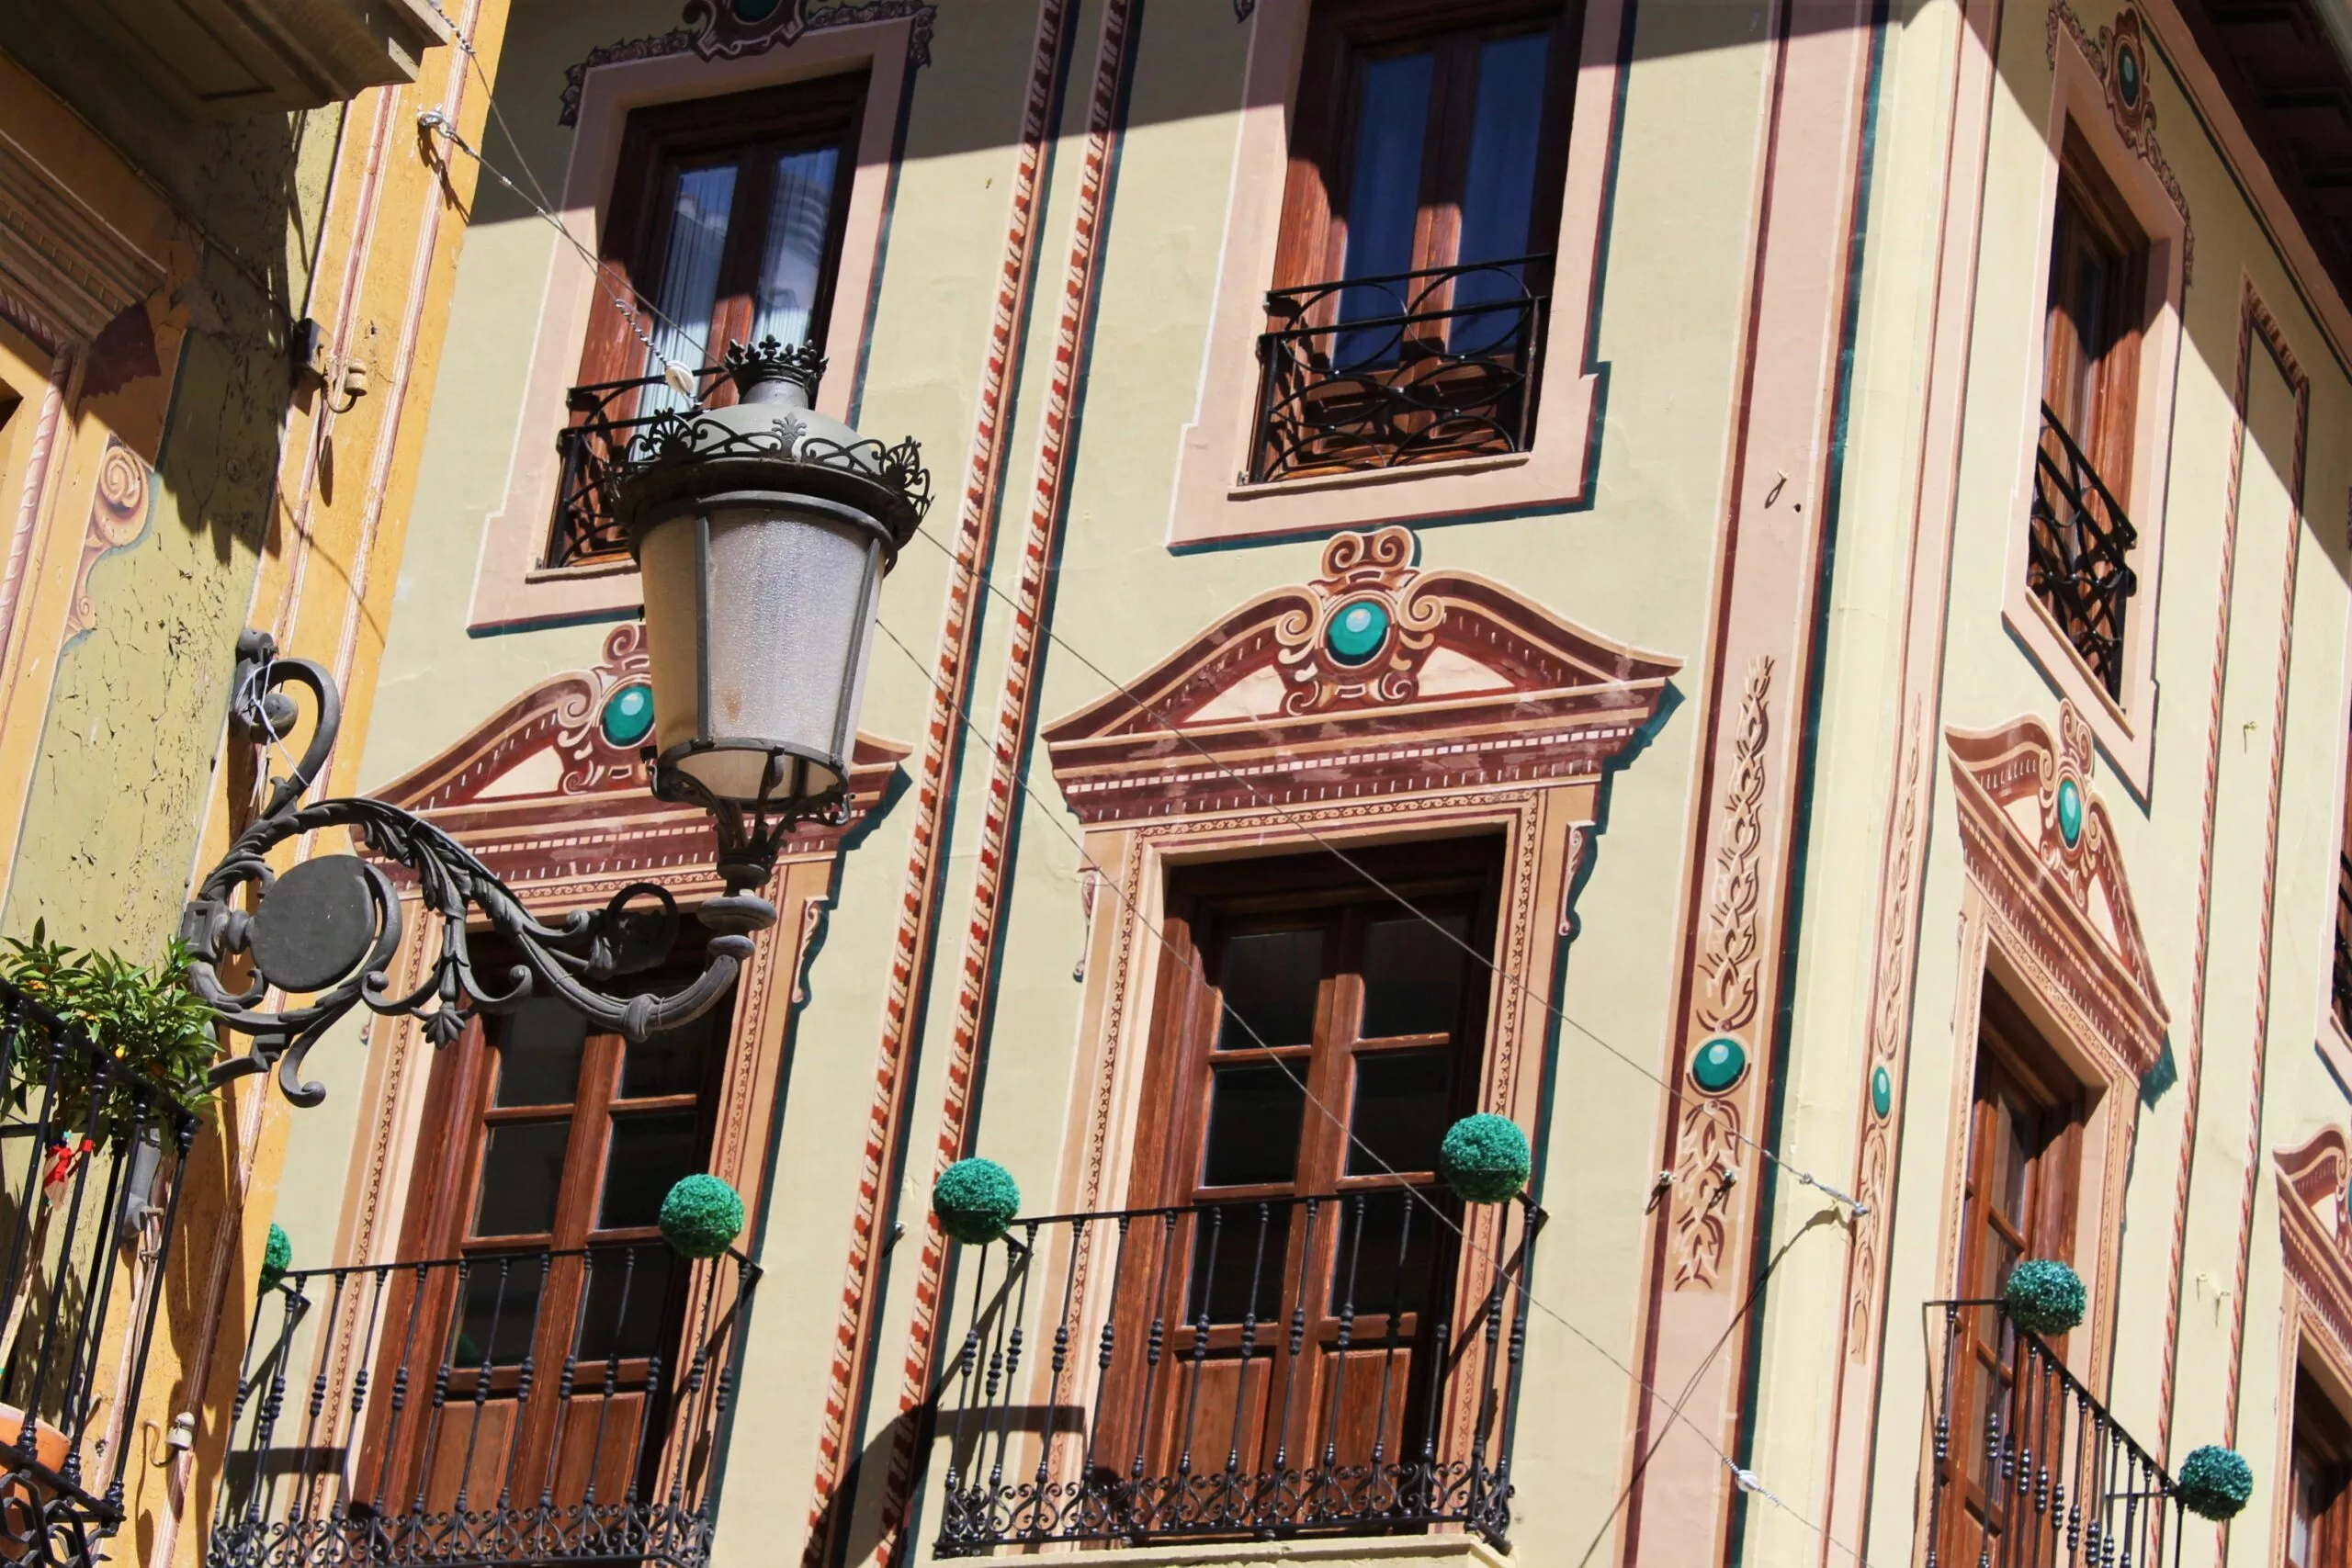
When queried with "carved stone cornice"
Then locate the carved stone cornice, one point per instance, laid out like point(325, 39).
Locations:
point(2039, 845)
point(1370, 679)
point(60, 261)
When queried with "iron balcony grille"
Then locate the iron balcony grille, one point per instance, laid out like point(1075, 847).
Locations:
point(1405, 367)
point(537, 1406)
point(2078, 559)
point(1335, 1365)
point(84, 1250)
point(606, 420)
point(2343, 974)
point(2029, 1467)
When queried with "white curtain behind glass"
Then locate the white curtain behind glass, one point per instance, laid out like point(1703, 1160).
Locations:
point(792, 261)
point(703, 200)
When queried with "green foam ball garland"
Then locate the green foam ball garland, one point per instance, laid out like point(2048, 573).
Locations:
point(277, 1257)
point(975, 1199)
point(2214, 1483)
point(1485, 1158)
point(701, 1217)
point(2044, 1296)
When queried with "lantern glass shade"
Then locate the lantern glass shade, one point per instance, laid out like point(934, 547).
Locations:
point(758, 620)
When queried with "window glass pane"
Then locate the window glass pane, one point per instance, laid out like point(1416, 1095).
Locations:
point(1383, 200)
point(1412, 974)
point(647, 1156)
point(1269, 981)
point(499, 1310)
point(521, 1172)
point(1399, 1111)
point(1240, 1253)
point(1498, 192)
point(1254, 1114)
point(627, 1289)
point(792, 261)
point(700, 203)
point(669, 1062)
point(539, 1044)
point(1386, 1257)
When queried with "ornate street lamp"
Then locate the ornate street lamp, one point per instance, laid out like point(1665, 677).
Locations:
point(762, 531)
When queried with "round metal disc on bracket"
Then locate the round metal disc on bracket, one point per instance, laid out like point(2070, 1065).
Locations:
point(315, 924)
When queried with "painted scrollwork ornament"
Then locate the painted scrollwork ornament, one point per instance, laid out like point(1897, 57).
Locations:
point(1363, 629)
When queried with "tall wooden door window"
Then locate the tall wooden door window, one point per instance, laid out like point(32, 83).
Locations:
point(2319, 1486)
point(2018, 1202)
point(560, 1144)
point(1316, 1041)
point(2080, 561)
point(725, 225)
point(1422, 210)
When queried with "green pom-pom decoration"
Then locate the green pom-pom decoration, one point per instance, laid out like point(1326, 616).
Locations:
point(2214, 1483)
point(975, 1199)
point(701, 1217)
point(1485, 1158)
point(2044, 1296)
point(277, 1257)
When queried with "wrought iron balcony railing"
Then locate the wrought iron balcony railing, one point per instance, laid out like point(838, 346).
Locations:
point(2343, 974)
point(84, 1250)
point(1406, 367)
point(534, 1406)
point(1339, 1365)
point(606, 419)
point(2029, 1467)
point(2078, 554)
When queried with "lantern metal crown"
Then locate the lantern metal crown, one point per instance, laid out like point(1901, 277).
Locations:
point(762, 530)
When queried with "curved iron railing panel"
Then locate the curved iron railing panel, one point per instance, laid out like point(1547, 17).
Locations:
point(1403, 367)
point(1341, 1364)
point(2078, 552)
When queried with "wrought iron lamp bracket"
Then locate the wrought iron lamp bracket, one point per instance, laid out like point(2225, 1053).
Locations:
point(327, 930)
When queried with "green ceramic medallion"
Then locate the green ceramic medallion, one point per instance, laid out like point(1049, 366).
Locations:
point(629, 715)
point(2070, 812)
point(1357, 631)
point(1719, 1064)
point(2127, 77)
point(1881, 1092)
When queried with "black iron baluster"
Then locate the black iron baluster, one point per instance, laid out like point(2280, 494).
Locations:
point(317, 1404)
point(434, 1422)
point(1498, 1499)
point(1280, 1472)
point(523, 1384)
point(1144, 1510)
point(482, 1380)
point(612, 1375)
point(1200, 1351)
point(1328, 1481)
point(1007, 1363)
point(1241, 1375)
point(965, 1373)
point(1040, 1515)
point(1084, 1497)
point(1383, 1480)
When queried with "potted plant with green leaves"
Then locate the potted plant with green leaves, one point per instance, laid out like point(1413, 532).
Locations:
point(149, 1043)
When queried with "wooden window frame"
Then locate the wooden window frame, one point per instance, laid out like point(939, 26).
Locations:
point(657, 139)
point(1313, 244)
point(1184, 1029)
point(1214, 501)
point(512, 590)
point(2086, 148)
point(2318, 1430)
point(2086, 188)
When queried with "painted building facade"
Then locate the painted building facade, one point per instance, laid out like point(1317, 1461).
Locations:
point(1757, 591)
point(224, 261)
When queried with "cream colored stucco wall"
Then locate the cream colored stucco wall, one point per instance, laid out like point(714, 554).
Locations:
point(1638, 565)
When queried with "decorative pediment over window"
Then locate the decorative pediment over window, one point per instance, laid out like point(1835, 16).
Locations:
point(552, 787)
point(2315, 1233)
point(1372, 679)
point(2038, 843)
